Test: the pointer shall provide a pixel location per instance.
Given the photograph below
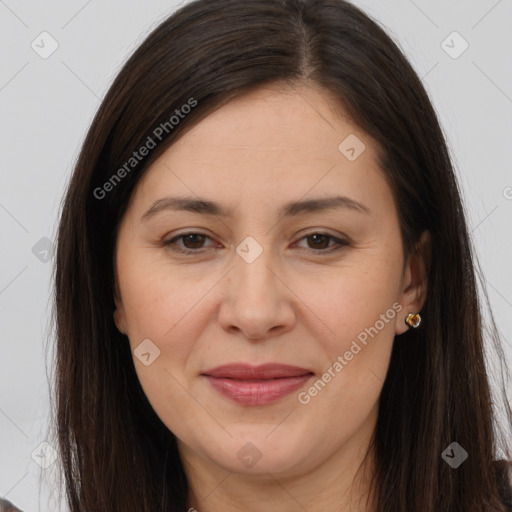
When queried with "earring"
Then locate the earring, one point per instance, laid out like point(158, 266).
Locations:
point(413, 319)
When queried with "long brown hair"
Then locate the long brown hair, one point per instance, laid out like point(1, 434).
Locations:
point(115, 453)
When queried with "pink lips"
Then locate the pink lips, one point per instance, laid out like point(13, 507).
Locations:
point(257, 385)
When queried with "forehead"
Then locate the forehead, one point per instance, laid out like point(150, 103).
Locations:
point(272, 145)
point(273, 121)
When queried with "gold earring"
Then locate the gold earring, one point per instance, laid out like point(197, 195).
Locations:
point(413, 319)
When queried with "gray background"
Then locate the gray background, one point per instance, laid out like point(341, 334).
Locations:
point(46, 106)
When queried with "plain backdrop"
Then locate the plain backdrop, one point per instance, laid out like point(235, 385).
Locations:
point(48, 101)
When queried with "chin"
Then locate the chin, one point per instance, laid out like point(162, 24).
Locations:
point(257, 453)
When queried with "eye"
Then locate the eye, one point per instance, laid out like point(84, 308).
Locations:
point(193, 242)
point(319, 241)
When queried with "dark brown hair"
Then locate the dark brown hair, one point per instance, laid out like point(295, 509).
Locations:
point(116, 454)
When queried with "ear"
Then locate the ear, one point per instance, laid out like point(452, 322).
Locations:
point(119, 312)
point(414, 284)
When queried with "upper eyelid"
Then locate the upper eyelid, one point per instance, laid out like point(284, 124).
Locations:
point(187, 233)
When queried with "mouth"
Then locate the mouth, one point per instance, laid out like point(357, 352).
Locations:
point(257, 385)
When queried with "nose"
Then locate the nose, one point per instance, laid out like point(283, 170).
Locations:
point(256, 300)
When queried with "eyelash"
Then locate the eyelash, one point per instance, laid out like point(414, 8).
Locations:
point(340, 243)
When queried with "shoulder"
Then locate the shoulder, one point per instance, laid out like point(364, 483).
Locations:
point(504, 479)
point(7, 506)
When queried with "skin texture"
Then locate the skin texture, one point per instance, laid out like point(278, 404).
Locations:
point(294, 304)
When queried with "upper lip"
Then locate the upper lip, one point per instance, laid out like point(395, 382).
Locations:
point(242, 371)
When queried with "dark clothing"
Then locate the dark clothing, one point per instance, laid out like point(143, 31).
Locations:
point(7, 506)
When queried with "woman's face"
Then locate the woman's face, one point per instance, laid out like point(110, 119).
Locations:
point(319, 285)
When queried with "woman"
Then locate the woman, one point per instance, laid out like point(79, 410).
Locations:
point(265, 290)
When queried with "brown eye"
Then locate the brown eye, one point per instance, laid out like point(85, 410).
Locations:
point(319, 242)
point(194, 239)
point(194, 242)
point(191, 242)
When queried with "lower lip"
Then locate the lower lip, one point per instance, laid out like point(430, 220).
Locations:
point(257, 392)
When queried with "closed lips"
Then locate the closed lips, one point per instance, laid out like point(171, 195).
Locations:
point(257, 385)
point(242, 371)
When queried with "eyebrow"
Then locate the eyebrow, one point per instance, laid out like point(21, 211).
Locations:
point(292, 209)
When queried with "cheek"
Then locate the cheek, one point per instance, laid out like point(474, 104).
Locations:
point(358, 307)
point(170, 308)
point(154, 299)
point(163, 309)
point(351, 300)
point(360, 312)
